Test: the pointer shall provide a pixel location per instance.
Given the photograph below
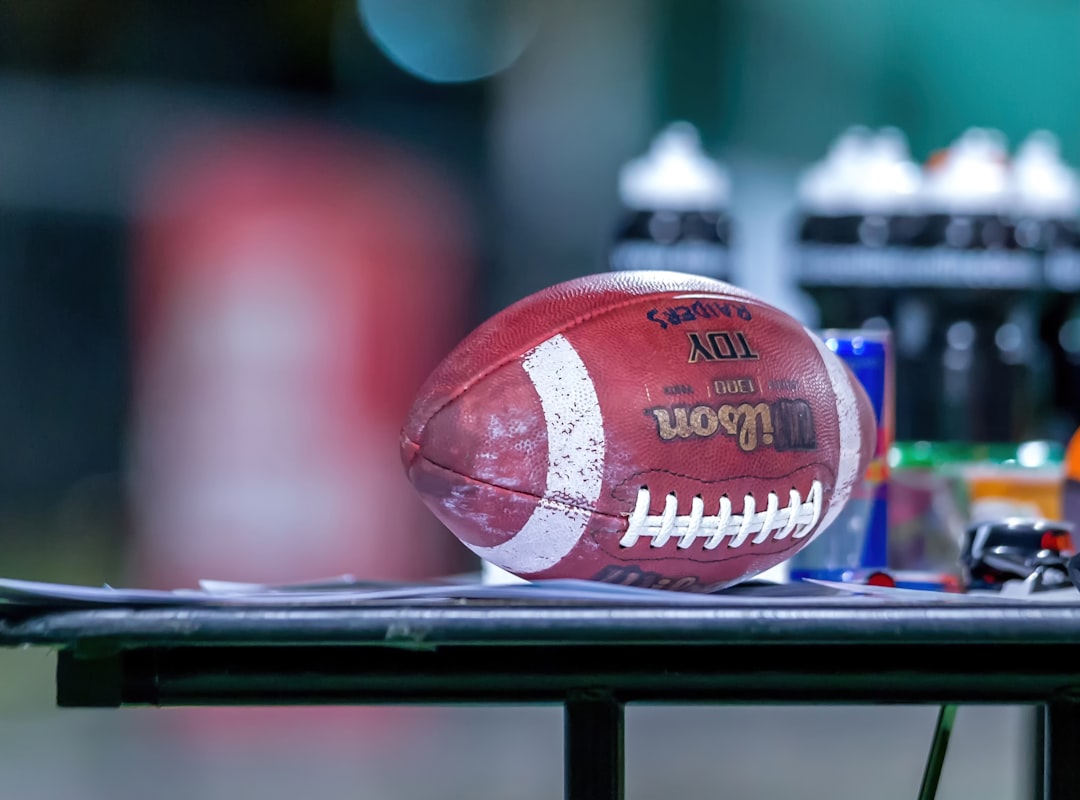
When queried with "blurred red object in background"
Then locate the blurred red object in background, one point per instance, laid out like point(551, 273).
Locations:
point(292, 288)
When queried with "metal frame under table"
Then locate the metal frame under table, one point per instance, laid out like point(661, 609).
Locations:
point(591, 658)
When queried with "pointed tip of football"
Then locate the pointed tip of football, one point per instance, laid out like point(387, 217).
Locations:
point(409, 451)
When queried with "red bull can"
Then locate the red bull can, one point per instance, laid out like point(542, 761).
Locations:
point(857, 540)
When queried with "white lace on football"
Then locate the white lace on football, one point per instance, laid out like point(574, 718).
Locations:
point(797, 519)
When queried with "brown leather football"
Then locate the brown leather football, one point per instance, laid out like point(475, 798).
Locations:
point(648, 428)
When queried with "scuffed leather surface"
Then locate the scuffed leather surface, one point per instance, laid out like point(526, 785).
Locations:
point(475, 442)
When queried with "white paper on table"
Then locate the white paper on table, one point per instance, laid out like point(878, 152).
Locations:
point(346, 591)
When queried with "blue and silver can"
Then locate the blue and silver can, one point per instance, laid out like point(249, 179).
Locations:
point(857, 540)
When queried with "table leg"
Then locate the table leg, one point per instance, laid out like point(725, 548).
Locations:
point(1038, 754)
point(938, 747)
point(594, 739)
point(1062, 748)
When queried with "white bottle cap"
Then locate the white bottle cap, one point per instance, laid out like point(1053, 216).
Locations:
point(973, 177)
point(1043, 184)
point(891, 179)
point(675, 174)
point(864, 172)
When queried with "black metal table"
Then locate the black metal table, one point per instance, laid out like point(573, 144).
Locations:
point(591, 658)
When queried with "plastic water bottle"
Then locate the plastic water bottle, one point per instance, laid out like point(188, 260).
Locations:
point(675, 212)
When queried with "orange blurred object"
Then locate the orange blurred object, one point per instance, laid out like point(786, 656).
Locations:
point(1070, 490)
point(995, 491)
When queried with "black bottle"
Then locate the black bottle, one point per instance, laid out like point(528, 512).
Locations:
point(856, 211)
point(1047, 198)
point(976, 283)
point(674, 209)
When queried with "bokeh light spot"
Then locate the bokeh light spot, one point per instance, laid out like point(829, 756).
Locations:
point(451, 41)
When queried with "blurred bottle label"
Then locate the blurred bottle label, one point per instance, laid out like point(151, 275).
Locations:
point(697, 243)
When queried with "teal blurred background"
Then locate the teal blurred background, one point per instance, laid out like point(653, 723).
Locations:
point(783, 77)
point(518, 115)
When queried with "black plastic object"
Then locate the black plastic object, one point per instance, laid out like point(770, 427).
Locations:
point(1034, 550)
point(1073, 567)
